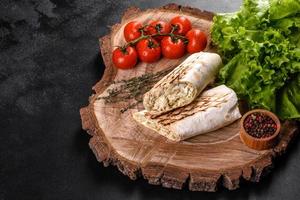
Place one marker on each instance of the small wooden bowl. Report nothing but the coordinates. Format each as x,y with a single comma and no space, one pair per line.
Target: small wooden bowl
259,143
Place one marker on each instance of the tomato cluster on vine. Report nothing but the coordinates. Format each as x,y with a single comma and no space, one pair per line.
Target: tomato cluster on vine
148,43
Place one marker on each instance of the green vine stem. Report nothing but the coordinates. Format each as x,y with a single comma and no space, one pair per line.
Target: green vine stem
144,36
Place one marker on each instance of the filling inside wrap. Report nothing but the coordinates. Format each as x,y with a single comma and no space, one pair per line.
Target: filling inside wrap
168,97
182,85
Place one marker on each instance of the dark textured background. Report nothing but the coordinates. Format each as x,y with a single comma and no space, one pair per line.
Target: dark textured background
49,60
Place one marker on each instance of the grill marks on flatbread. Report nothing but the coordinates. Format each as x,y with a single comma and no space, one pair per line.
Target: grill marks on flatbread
173,77
199,105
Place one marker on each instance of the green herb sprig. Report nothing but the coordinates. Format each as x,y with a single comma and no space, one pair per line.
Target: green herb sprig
134,88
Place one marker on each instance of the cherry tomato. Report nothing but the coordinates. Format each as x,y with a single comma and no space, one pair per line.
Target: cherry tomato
132,31
148,50
197,41
172,49
183,24
125,58
158,27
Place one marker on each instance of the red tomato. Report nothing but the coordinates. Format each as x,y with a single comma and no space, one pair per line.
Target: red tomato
148,50
124,59
183,24
132,31
158,27
197,41
172,49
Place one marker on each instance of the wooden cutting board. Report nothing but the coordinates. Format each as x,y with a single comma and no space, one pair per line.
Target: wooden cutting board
204,162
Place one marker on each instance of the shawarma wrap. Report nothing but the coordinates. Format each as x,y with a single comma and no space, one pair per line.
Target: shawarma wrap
183,84
213,109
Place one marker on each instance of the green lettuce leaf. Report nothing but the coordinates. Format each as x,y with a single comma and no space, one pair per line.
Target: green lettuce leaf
283,8
288,106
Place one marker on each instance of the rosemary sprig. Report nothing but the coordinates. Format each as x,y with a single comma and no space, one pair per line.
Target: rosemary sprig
133,88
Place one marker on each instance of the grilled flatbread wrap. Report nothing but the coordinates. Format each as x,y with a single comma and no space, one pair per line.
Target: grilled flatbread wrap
213,109
183,84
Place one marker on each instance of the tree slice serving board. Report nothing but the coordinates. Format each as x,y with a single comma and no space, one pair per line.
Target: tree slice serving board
204,162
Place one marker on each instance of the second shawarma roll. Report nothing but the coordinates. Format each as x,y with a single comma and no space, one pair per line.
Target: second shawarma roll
182,85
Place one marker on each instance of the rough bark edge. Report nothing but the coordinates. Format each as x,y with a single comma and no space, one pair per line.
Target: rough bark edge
170,176
102,149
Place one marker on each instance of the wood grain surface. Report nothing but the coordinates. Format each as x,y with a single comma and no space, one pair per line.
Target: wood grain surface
202,163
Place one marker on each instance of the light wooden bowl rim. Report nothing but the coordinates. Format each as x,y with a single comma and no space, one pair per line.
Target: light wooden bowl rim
270,114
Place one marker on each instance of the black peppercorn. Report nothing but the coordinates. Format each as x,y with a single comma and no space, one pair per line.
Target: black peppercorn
259,125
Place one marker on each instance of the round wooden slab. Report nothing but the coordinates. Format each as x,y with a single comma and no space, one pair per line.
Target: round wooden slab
203,162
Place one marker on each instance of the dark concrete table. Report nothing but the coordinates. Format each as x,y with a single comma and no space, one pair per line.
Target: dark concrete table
49,60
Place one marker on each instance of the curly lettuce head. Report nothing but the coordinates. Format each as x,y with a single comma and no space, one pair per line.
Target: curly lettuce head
260,45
